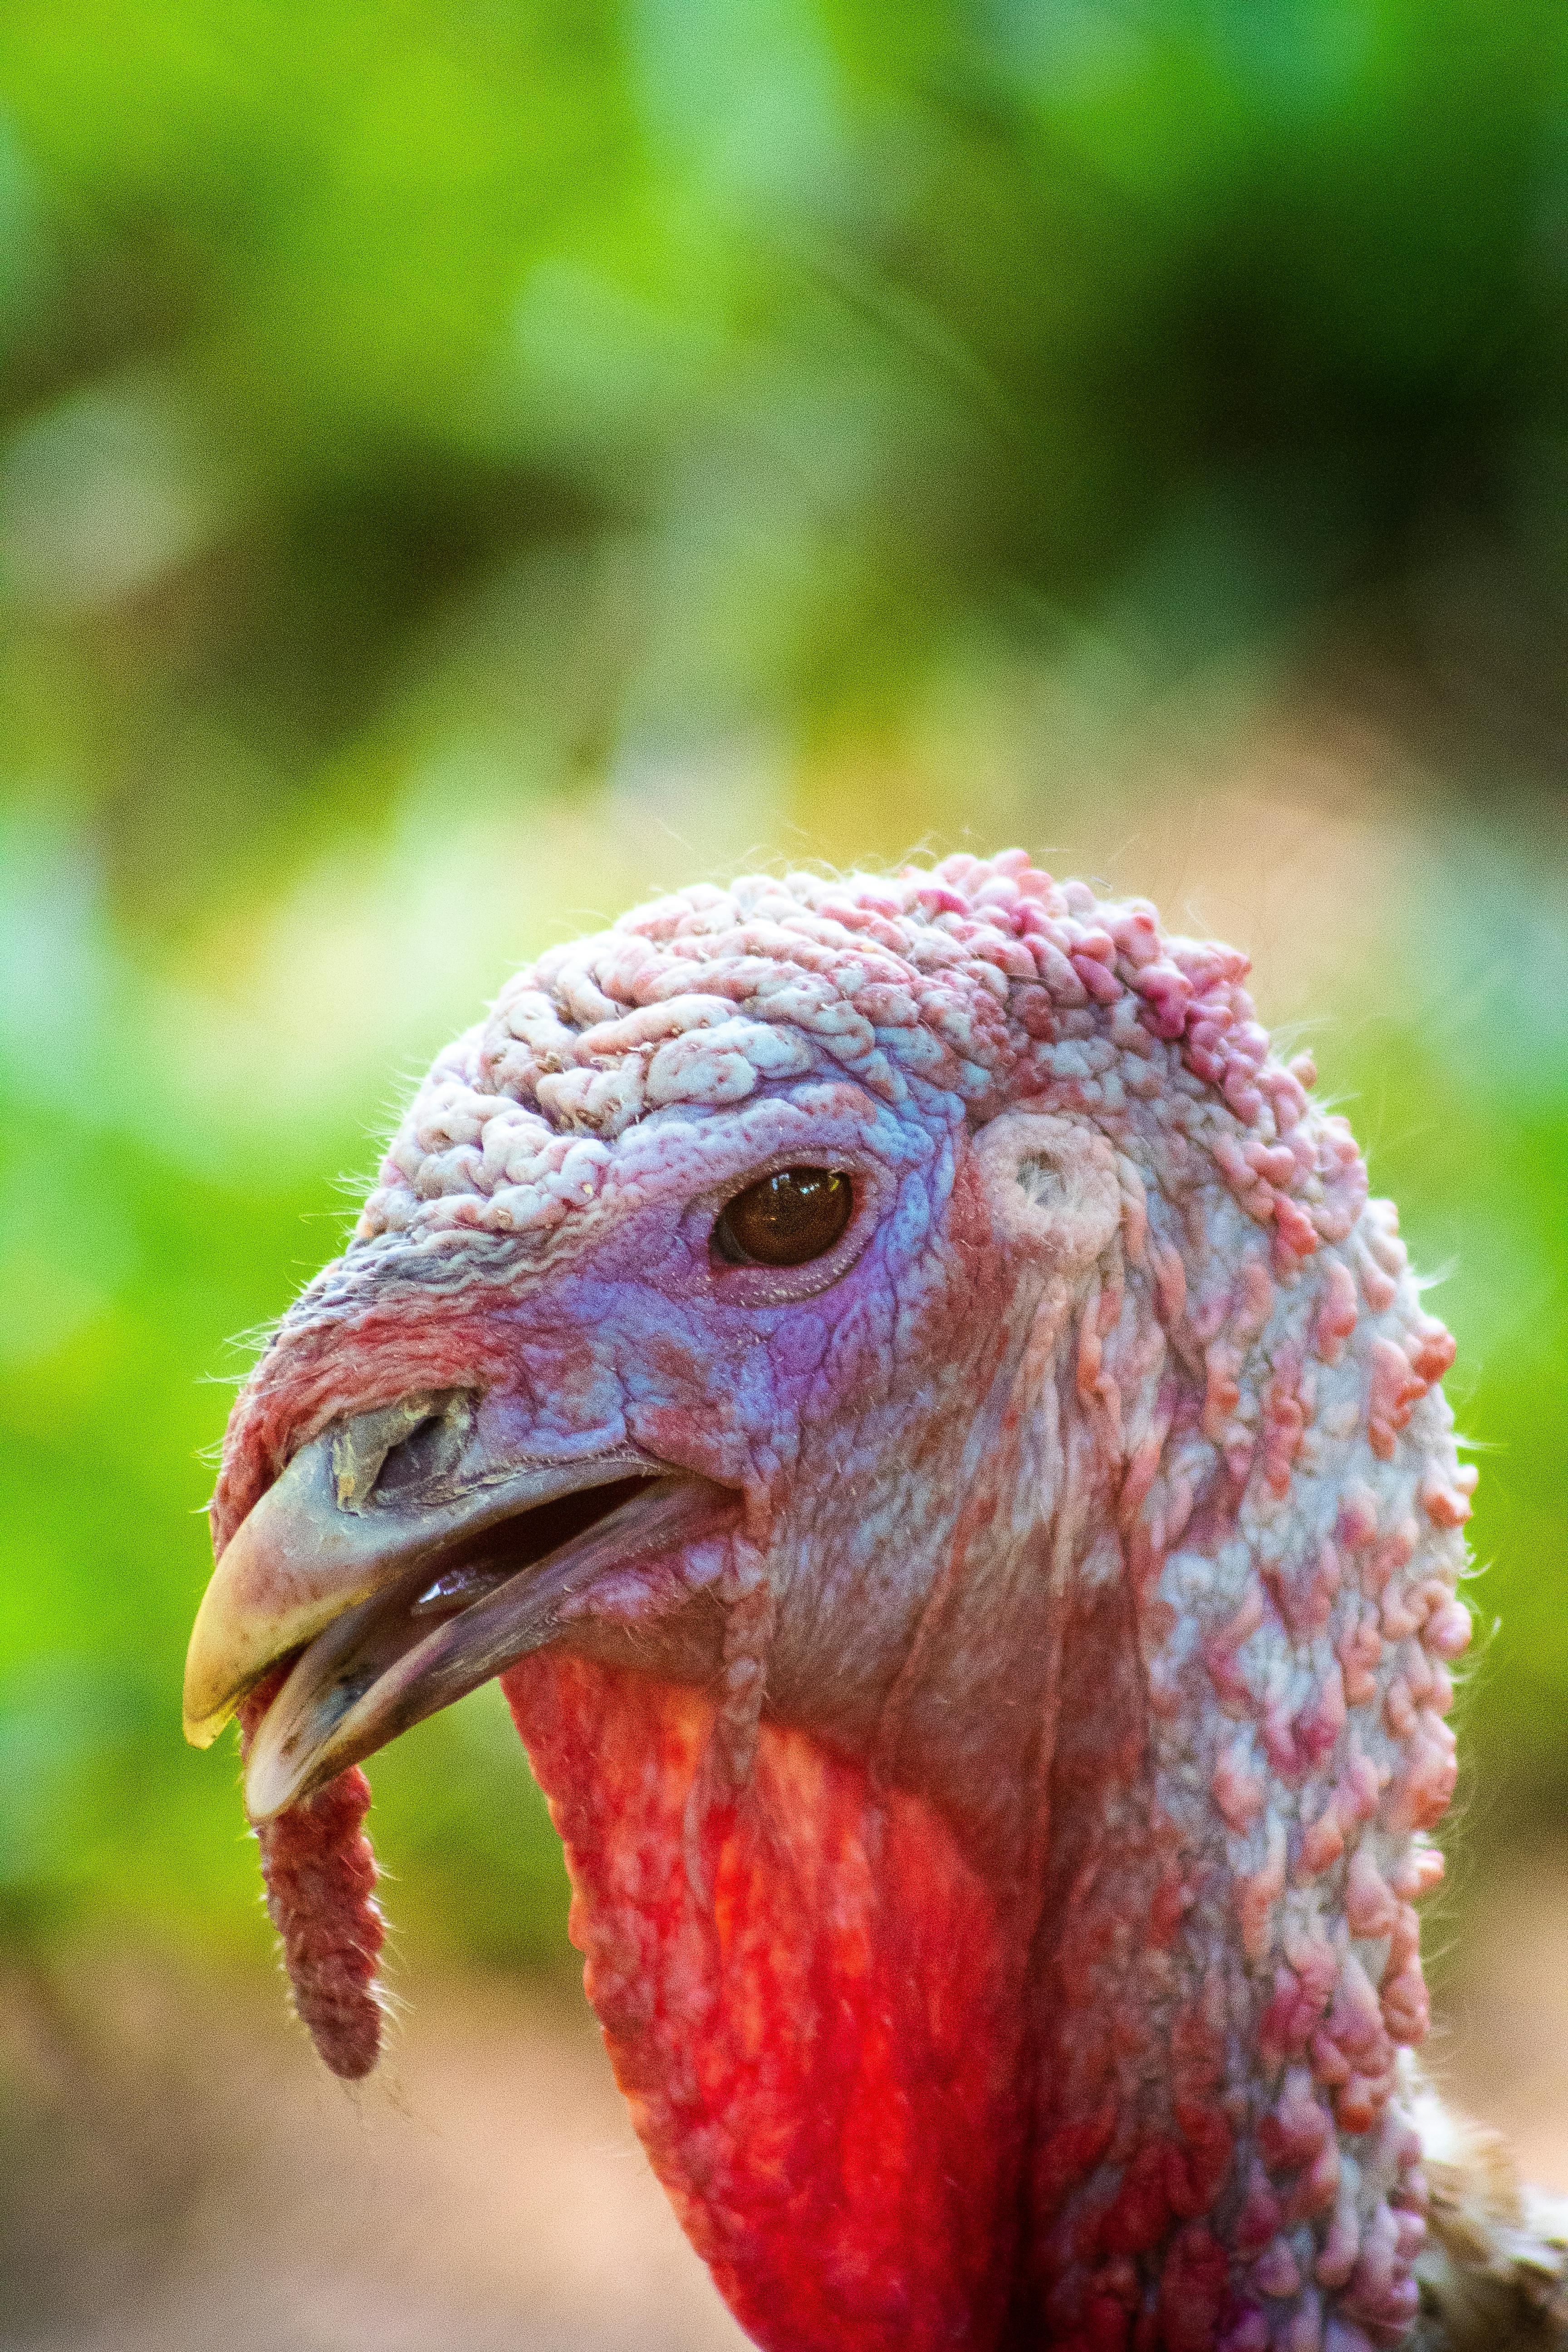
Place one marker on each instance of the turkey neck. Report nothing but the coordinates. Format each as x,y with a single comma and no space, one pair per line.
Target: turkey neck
826,1990
1059,1999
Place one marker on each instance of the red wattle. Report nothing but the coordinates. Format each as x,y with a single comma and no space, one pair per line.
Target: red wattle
811,2006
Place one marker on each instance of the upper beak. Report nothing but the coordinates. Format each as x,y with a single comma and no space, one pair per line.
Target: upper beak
408,1568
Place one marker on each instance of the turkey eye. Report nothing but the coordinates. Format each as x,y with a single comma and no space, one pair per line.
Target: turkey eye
785,1219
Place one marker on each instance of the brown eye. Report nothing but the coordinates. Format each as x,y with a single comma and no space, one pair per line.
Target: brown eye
786,1219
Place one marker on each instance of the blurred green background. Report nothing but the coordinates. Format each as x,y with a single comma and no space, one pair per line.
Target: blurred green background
463,467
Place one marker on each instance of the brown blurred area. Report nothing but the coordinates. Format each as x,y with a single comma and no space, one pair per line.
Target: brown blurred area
177,2173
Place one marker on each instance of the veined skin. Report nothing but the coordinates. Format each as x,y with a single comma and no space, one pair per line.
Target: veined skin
995,1856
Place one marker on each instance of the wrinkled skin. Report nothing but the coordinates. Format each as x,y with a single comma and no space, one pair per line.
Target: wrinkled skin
994,1829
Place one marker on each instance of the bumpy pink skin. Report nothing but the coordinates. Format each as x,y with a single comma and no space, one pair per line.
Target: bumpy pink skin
1227,1456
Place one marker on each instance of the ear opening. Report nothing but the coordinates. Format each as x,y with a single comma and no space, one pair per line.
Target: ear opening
1052,1186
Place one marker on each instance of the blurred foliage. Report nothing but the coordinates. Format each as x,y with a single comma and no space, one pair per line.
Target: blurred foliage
462,465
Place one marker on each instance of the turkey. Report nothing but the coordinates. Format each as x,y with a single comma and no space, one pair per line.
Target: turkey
914,1399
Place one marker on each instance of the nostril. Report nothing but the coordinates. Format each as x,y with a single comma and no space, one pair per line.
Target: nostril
380,1455
430,1452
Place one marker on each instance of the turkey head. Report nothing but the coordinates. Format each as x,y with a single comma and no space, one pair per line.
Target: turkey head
912,1399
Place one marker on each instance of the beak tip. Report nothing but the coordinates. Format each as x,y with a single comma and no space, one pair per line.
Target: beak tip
202,1728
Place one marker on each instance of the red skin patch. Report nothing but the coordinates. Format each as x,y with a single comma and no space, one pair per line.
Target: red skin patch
822,2055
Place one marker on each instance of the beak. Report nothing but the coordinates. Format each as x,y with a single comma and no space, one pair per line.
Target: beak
405,1567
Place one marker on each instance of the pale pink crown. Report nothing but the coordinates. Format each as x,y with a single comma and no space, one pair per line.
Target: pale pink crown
981,977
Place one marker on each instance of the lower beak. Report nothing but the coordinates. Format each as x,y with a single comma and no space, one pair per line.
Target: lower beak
401,1594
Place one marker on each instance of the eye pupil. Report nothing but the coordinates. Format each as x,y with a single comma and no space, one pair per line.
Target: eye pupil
786,1219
